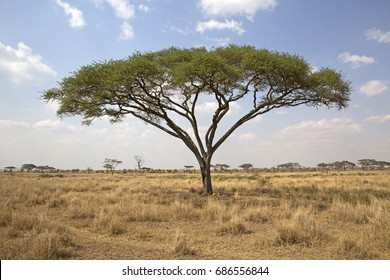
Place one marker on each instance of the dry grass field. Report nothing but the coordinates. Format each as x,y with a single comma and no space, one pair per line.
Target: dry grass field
339,215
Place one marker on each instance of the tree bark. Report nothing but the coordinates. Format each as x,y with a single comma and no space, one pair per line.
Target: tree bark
205,169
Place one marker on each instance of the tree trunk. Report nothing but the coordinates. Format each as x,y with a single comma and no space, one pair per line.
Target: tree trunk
205,169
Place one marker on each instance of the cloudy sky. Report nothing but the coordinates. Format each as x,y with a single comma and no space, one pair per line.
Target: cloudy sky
43,41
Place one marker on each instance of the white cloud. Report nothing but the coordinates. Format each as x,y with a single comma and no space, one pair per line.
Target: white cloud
202,130
220,25
123,9
378,35
144,8
16,124
247,136
54,125
321,129
22,64
379,118
207,107
124,130
374,87
76,19
127,31
183,31
48,124
236,7
356,61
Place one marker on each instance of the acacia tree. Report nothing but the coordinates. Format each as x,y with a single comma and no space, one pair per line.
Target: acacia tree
189,168
164,89
28,167
372,163
111,164
246,166
343,165
10,168
289,166
366,163
221,167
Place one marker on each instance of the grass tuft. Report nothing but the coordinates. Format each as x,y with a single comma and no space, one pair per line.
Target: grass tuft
181,245
233,228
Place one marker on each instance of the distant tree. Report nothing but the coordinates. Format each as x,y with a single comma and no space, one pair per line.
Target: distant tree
28,167
221,167
290,166
383,164
10,168
324,166
108,167
140,161
373,164
45,168
165,89
146,169
189,168
367,163
246,166
343,165
111,164
89,170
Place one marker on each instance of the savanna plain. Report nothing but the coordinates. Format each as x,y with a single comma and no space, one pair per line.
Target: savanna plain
303,215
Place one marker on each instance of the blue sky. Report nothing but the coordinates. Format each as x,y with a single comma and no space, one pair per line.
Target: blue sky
43,41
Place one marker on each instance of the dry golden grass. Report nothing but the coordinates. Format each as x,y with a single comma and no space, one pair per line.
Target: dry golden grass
341,215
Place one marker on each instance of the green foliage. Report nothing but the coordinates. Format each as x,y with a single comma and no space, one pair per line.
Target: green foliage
144,84
289,166
28,167
246,166
372,163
